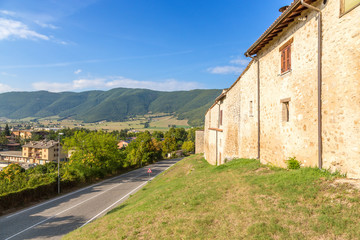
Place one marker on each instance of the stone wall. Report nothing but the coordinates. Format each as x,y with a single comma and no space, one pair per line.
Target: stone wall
279,139
211,136
298,137
199,141
248,135
341,90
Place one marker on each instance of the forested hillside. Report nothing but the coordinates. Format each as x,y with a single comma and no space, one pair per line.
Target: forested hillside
113,105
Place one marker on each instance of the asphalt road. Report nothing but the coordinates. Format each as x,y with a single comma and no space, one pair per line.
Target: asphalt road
54,218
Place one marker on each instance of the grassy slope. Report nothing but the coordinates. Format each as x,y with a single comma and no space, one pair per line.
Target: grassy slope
239,200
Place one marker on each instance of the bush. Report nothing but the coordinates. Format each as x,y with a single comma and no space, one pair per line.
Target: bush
188,147
293,163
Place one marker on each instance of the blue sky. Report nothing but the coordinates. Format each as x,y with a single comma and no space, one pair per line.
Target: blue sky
168,45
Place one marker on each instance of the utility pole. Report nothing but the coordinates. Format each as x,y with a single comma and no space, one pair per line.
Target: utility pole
59,162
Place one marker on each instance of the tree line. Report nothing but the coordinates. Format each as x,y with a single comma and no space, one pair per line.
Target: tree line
95,154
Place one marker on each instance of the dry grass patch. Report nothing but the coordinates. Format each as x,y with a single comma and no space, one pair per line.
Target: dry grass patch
242,199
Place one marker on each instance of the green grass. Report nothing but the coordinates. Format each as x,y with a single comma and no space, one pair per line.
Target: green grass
242,199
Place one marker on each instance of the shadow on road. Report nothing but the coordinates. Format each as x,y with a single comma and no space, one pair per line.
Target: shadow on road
39,219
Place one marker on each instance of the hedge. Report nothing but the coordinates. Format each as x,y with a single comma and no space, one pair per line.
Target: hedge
27,195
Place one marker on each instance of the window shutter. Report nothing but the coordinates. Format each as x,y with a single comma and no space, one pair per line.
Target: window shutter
221,116
288,67
283,61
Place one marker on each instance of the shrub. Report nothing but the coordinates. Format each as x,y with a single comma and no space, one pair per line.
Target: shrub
188,147
293,163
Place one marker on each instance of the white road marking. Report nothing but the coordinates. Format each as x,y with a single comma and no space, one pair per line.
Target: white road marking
114,203
67,209
85,200
69,194
97,215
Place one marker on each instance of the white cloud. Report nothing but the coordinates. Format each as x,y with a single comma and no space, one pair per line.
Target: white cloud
61,42
8,13
77,71
225,70
45,25
237,66
240,61
52,87
5,88
166,85
11,28
115,82
8,74
89,83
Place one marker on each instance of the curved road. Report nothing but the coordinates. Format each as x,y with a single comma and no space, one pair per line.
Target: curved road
55,218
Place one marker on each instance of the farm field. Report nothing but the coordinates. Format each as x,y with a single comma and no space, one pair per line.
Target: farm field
158,122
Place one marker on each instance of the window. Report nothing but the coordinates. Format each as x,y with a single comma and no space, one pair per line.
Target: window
348,5
210,118
221,117
251,109
285,109
285,51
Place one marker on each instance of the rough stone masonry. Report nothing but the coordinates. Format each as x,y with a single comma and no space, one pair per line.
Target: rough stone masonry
288,123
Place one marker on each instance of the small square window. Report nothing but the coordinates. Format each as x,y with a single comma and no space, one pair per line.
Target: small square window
285,109
251,109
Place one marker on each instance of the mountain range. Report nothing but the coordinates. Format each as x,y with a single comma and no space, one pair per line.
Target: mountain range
113,105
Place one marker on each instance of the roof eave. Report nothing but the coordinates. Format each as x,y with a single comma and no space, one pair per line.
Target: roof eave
223,95
251,51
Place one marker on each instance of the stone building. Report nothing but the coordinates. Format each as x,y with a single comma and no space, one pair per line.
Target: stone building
43,152
199,141
13,156
23,134
300,94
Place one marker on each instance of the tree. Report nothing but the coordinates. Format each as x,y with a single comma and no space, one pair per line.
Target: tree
158,135
179,134
123,133
188,147
36,137
143,150
3,140
169,145
7,130
191,133
10,172
94,154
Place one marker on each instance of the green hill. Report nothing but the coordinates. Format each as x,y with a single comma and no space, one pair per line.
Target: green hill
113,105
242,199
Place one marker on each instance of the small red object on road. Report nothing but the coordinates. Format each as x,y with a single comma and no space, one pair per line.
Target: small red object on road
149,171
